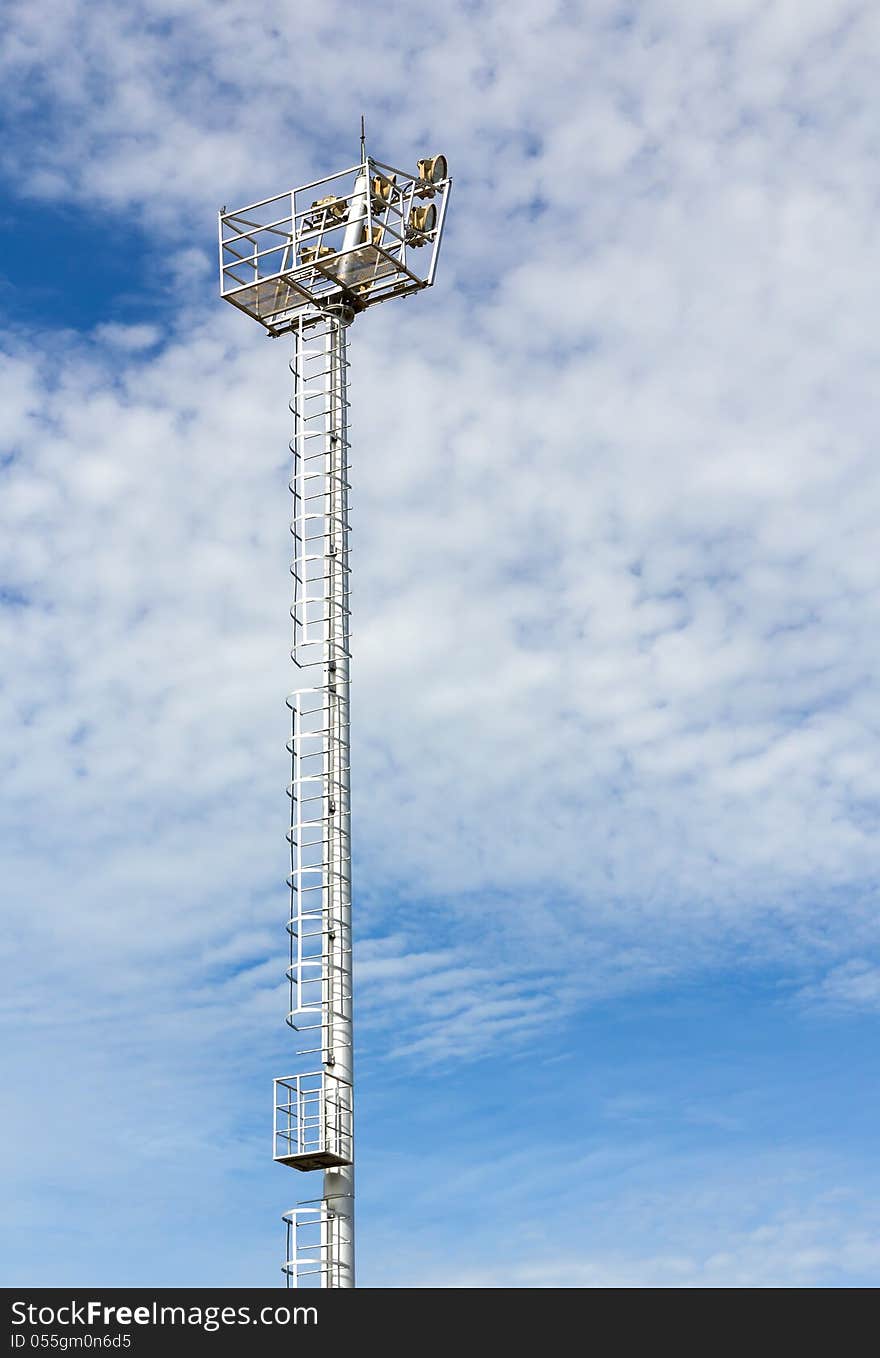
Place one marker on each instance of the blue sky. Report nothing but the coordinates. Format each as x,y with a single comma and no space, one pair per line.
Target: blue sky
615,598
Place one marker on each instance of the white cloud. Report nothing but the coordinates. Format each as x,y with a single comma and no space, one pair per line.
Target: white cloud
131,338
854,984
635,1213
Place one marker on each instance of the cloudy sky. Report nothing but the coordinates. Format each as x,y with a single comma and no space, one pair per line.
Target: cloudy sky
616,641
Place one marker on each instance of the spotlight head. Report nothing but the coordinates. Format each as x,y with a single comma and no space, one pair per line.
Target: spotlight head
381,189
332,207
310,253
422,221
433,169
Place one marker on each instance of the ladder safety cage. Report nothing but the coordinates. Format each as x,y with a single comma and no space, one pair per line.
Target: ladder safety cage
319,968
318,1244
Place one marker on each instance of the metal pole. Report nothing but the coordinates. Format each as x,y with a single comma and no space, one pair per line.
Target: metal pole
339,1181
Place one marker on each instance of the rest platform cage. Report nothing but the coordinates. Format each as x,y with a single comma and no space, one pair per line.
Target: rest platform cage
312,1126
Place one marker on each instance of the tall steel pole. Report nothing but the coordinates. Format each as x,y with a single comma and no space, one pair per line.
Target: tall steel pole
339,1181
320,832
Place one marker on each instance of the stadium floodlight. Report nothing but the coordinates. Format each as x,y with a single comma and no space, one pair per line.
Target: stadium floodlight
306,263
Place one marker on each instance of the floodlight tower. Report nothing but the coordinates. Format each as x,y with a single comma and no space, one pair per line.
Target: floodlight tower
306,263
